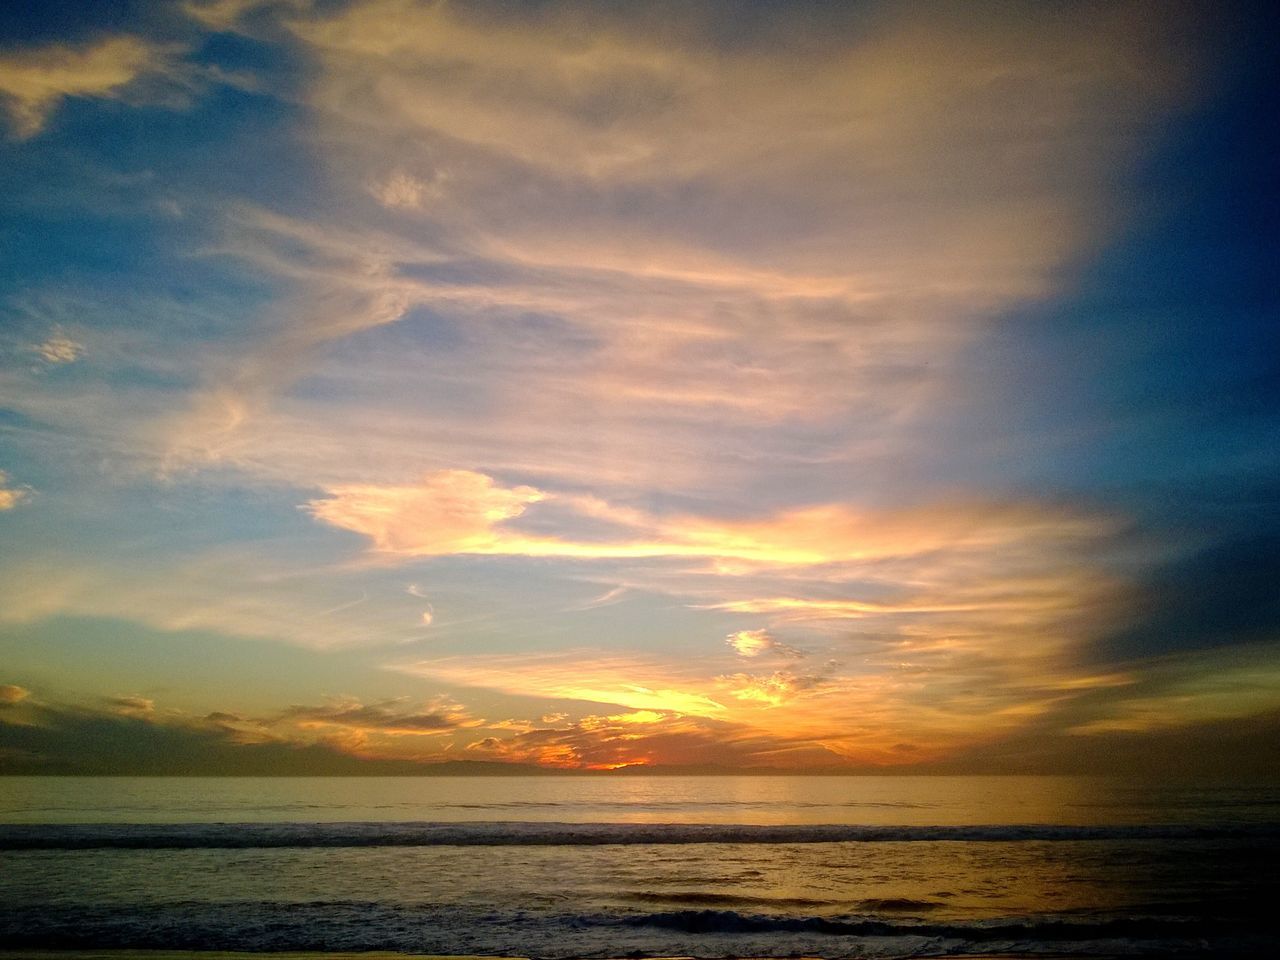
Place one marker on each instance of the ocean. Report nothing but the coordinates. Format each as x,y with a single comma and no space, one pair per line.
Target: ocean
637,866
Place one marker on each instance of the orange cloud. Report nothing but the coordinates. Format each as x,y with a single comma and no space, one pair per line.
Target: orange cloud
976,631
808,609
10,497
754,643
452,511
11,693
774,689
648,738
395,729
857,717
464,512
750,643
591,676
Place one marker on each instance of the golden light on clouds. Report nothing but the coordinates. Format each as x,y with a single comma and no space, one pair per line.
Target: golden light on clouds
620,386
636,683
464,512
750,643
453,511
10,496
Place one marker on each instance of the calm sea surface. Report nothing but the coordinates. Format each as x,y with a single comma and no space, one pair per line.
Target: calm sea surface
646,866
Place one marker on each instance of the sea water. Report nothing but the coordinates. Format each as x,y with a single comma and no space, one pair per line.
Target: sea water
610,866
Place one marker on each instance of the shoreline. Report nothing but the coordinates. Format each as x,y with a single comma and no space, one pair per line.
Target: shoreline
160,954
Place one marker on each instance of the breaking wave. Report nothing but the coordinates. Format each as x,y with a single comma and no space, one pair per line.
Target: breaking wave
491,834
353,926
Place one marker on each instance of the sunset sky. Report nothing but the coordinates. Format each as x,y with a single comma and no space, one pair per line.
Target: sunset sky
793,385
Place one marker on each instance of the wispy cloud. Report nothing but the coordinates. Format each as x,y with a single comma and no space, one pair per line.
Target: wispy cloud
638,683
241,592
464,512
457,510
754,643
225,14
774,689
942,699
569,294
750,643
35,81
59,349
533,165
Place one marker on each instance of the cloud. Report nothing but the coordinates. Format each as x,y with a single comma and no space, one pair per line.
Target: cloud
393,717
276,590
1222,594
1185,688
1228,748
774,689
55,738
130,735
403,190
611,98
451,511
754,643
633,239
34,81
672,313
11,693
43,737
648,738
947,696
609,597
750,643
800,608
132,704
347,735
593,676
227,14
10,497
465,512
59,349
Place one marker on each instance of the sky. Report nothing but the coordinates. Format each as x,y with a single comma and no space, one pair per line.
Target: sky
800,386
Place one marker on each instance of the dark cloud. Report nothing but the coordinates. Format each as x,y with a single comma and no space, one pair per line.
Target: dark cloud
71,740
1224,595
133,704
388,715
1240,747
126,738
42,738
